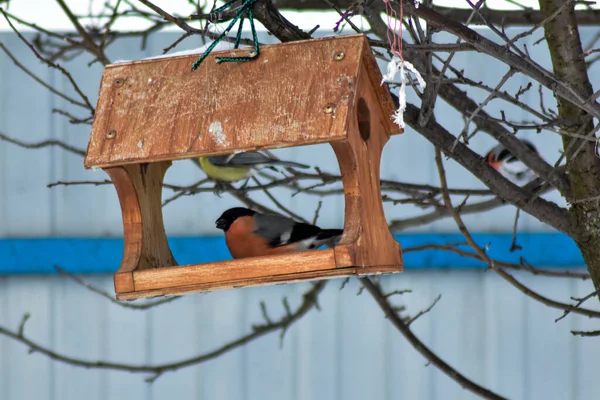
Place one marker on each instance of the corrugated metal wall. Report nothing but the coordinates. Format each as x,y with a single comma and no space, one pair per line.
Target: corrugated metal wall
348,350
482,326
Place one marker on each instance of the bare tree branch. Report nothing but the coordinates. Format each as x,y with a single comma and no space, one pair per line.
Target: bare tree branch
309,301
586,333
110,297
51,64
95,49
505,275
405,330
543,210
44,143
520,62
522,267
41,82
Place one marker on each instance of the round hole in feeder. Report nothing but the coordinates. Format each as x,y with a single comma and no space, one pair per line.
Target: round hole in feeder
118,82
364,119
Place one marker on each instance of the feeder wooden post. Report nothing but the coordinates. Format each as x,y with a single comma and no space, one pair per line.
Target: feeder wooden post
139,187
151,112
365,243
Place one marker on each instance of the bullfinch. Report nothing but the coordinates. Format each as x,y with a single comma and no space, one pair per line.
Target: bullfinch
251,234
235,167
513,169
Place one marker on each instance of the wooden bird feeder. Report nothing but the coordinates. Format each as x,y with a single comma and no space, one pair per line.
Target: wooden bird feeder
150,112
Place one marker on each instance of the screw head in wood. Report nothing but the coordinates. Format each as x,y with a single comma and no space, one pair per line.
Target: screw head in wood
339,56
118,82
110,135
329,108
252,53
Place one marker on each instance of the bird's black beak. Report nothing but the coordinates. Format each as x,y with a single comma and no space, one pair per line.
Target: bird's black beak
221,223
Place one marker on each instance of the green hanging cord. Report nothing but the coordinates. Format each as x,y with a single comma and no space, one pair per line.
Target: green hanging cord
256,50
254,35
213,44
236,44
246,8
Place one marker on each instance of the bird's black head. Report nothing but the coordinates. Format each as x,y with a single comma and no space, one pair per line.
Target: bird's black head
229,217
501,153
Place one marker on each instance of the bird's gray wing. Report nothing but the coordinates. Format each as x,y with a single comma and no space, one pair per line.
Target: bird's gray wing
276,229
251,159
248,158
256,158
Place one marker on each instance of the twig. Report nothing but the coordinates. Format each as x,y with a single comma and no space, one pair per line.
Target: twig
490,97
177,21
279,205
442,212
38,28
26,316
344,283
74,183
464,104
309,300
579,303
534,271
182,191
109,24
589,52
517,59
513,244
242,196
72,119
44,143
397,292
175,43
51,64
106,295
505,275
393,185
540,24
263,309
586,333
425,116
317,211
405,330
543,210
96,50
425,311
344,16
41,82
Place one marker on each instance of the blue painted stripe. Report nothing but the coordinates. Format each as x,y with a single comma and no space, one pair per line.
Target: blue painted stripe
38,256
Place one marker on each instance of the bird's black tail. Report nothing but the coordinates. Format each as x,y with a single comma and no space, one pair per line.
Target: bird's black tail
326,234
290,164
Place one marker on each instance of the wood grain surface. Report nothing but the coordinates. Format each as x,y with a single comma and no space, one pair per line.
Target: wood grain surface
159,109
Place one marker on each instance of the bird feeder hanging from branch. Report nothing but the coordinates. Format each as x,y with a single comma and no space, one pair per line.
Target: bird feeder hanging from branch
151,112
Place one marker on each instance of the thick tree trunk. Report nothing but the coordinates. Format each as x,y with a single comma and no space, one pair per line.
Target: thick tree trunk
565,47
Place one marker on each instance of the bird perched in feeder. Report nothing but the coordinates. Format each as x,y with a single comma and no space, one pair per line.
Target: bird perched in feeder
513,169
251,234
238,166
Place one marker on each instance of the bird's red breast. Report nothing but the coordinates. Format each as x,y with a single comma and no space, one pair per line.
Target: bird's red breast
242,242
494,164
